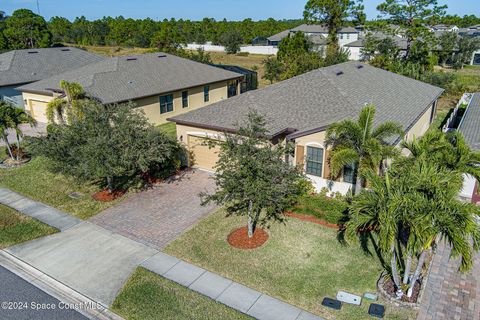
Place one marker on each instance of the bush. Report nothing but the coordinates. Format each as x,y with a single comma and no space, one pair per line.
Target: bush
332,210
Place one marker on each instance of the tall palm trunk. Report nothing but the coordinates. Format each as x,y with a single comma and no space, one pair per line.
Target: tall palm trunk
110,184
395,277
421,262
5,138
250,219
18,146
408,266
358,184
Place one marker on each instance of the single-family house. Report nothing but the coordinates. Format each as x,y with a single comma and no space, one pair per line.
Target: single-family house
345,35
444,28
470,128
302,108
355,47
162,85
19,67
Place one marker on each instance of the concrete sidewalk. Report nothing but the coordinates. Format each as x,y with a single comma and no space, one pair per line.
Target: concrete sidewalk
228,292
37,210
97,262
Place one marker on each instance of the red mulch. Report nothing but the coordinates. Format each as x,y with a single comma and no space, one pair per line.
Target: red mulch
106,196
238,238
313,219
389,287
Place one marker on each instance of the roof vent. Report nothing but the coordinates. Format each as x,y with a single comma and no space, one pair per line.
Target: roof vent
339,73
131,59
32,51
162,55
66,49
359,66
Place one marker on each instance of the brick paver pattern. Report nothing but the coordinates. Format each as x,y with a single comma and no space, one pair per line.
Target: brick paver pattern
157,216
451,295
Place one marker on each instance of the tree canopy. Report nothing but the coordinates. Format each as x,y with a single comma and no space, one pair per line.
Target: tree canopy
25,29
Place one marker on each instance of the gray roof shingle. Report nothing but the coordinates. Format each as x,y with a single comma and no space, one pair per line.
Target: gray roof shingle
321,97
309,28
470,125
24,66
121,79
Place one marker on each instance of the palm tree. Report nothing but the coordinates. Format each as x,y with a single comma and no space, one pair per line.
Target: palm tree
359,143
11,118
409,208
63,108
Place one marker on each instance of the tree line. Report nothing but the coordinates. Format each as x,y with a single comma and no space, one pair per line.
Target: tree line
25,29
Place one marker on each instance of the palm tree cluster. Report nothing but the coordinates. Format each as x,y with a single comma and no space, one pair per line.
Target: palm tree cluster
411,202
415,204
65,108
11,118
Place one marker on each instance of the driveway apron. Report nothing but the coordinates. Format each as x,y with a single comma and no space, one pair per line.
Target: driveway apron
90,259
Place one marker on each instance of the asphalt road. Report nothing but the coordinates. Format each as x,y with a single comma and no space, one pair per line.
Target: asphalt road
20,300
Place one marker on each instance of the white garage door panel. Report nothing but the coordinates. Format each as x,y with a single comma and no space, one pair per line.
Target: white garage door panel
203,157
39,111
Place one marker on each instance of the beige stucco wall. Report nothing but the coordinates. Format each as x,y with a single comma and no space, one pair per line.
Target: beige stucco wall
421,126
151,105
184,131
31,100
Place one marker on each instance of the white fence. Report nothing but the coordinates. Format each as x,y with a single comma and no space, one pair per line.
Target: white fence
464,100
266,50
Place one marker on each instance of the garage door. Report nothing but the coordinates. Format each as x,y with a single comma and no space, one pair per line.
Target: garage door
202,156
39,111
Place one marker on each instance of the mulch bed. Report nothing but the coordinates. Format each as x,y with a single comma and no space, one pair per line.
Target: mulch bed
238,238
313,219
107,196
389,287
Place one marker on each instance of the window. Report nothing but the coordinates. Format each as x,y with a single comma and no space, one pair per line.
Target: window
314,161
206,93
166,103
349,173
341,36
232,88
185,99
348,35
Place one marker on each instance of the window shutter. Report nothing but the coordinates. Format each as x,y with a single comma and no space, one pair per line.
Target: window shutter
326,166
300,156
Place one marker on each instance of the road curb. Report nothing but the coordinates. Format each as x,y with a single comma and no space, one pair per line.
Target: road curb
55,288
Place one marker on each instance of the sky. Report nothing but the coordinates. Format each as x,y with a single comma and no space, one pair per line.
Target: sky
195,9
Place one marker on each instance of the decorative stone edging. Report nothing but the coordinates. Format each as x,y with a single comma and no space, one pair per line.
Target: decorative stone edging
398,303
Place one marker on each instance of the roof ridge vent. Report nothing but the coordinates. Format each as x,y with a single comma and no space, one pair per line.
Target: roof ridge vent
66,49
162,55
339,72
359,66
32,51
131,58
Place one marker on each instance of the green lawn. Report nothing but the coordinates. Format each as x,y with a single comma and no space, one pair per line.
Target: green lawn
169,128
301,263
149,296
34,180
17,228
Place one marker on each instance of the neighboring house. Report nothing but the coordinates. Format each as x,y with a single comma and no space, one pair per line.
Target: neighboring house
345,35
250,77
355,48
162,85
302,108
444,27
470,128
19,67
476,58
260,41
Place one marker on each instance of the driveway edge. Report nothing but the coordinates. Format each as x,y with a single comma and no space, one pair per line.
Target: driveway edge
55,288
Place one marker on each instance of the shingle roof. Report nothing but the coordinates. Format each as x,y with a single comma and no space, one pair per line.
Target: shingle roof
23,66
400,42
470,125
121,79
321,97
309,28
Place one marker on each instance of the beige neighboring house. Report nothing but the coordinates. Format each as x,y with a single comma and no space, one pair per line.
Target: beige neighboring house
162,85
302,108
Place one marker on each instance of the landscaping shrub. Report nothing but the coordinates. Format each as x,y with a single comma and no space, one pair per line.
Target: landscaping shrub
332,210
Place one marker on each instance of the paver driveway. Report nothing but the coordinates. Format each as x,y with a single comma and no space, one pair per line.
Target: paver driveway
157,216
39,129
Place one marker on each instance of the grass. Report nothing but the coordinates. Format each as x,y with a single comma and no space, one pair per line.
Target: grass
148,296
327,209
301,264
169,128
16,228
36,181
